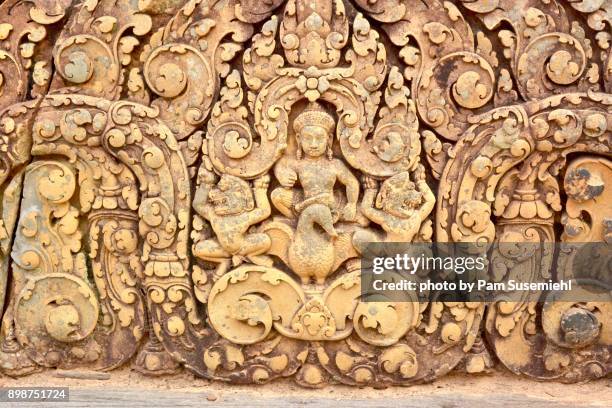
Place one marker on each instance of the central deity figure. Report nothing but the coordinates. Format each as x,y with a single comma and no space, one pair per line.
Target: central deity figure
310,252
315,168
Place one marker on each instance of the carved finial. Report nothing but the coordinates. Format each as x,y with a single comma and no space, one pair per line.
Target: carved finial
314,32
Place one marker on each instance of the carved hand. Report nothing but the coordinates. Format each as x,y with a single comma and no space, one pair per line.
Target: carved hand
369,183
206,176
349,212
419,173
262,182
288,180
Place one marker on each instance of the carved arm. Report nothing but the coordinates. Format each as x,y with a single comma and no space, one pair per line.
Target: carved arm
263,209
206,180
352,185
367,203
429,200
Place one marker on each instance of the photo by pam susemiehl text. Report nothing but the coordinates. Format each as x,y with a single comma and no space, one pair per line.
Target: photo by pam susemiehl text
476,272
511,285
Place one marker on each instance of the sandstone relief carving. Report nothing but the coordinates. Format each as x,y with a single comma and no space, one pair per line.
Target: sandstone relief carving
191,183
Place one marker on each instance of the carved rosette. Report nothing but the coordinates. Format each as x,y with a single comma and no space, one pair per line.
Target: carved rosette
191,183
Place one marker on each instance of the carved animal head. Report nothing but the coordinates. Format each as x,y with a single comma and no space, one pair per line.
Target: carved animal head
582,185
398,196
231,196
317,214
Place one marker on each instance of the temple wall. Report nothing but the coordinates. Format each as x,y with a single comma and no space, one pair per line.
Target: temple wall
192,185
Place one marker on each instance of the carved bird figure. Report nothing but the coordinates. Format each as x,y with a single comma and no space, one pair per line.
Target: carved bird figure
315,249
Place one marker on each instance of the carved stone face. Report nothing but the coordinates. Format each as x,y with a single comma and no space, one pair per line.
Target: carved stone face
231,196
313,140
400,202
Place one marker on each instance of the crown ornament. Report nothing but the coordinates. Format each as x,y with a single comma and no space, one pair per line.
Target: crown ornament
314,115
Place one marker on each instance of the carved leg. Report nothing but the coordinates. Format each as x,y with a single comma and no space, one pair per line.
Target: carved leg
362,238
211,250
255,246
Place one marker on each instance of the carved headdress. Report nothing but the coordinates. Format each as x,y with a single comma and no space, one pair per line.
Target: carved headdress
314,115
